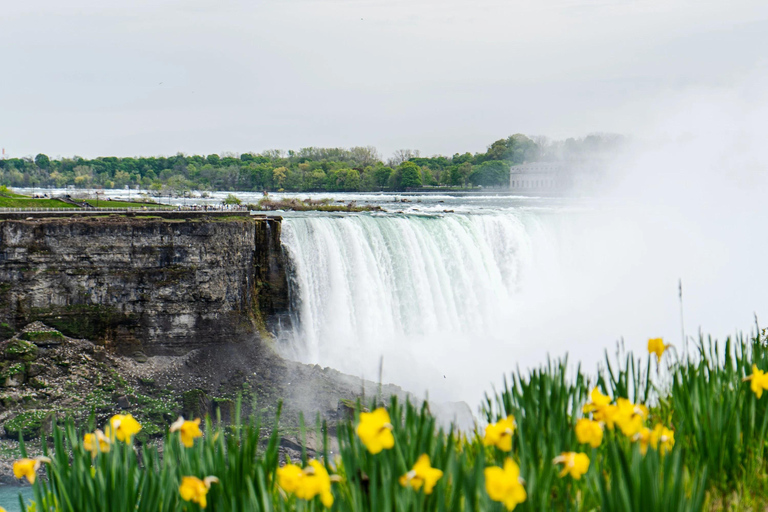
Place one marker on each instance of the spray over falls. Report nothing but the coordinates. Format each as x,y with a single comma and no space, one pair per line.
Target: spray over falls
401,287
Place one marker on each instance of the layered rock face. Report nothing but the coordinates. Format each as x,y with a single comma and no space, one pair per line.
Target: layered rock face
151,285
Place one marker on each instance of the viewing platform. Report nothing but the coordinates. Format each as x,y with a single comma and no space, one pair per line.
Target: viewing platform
166,213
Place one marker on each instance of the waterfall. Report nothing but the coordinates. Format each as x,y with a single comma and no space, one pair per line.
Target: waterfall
401,287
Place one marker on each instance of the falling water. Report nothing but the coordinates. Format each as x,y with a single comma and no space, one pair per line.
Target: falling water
402,287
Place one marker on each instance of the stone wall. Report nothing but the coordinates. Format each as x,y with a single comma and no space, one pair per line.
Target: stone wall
151,285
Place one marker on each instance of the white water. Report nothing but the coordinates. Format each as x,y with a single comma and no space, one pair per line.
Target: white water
416,290
452,302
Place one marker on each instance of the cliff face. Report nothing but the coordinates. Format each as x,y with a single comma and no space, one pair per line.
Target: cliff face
152,285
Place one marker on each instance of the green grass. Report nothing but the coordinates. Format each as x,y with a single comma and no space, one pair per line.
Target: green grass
18,201
717,462
9,199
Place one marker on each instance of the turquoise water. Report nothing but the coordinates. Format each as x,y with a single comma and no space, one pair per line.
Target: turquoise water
9,497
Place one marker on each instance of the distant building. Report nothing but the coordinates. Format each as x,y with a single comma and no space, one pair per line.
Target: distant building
540,177
551,177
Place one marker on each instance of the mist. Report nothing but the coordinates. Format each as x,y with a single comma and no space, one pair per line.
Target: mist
681,202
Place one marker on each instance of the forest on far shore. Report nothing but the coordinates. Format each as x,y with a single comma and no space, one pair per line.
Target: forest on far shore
308,169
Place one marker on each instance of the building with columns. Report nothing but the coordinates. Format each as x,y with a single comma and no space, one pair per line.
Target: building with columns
552,177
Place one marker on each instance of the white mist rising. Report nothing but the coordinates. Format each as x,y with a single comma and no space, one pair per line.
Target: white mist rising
452,303
686,200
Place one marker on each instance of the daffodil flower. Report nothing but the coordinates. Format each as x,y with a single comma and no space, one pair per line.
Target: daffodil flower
630,417
289,477
601,408
196,490
188,430
28,468
499,434
589,432
96,442
657,346
123,427
644,438
307,483
758,381
422,474
597,400
575,464
316,482
662,438
375,430
505,485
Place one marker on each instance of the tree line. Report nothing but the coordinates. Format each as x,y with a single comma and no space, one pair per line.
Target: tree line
308,169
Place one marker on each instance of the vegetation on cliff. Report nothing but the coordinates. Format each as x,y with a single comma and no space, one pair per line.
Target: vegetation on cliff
308,169
318,205
659,432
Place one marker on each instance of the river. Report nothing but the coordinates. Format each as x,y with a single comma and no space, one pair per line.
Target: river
9,497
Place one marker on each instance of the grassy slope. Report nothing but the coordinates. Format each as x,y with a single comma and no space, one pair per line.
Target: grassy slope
10,200
17,201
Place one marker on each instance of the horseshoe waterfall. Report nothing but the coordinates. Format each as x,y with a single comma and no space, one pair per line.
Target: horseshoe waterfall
418,295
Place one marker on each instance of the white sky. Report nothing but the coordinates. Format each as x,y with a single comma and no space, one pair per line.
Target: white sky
98,78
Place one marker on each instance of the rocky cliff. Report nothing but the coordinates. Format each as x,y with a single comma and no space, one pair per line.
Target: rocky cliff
142,285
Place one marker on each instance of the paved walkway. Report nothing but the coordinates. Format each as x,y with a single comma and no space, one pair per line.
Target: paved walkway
21,213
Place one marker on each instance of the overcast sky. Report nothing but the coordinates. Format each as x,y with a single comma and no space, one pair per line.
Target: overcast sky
154,77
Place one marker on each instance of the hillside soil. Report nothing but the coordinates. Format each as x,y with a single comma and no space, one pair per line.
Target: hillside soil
46,377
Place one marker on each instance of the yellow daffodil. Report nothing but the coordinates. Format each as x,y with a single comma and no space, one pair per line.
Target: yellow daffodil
96,442
575,464
316,482
123,427
188,430
499,434
607,415
505,485
597,400
2,509
375,430
589,432
196,490
630,417
758,381
289,477
662,438
307,483
657,346
28,468
422,474
644,438
600,407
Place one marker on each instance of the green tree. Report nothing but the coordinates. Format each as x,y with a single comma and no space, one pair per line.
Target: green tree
410,176
315,180
352,180
494,173
232,199
381,176
42,161
278,176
